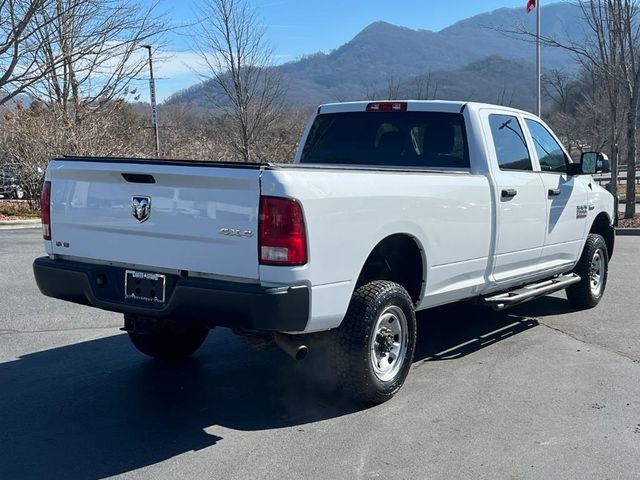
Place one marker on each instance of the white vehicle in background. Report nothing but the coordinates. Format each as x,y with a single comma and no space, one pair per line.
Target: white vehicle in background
389,208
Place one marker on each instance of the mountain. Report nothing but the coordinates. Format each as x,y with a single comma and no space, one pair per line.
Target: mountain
492,79
473,52
21,99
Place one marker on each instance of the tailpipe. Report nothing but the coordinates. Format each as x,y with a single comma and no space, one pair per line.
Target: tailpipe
291,346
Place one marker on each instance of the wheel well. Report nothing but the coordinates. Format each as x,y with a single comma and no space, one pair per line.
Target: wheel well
398,259
602,226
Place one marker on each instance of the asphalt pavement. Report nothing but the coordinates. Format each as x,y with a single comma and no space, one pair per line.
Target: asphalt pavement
540,392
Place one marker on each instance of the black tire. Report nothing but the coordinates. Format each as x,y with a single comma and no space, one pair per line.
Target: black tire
353,356
170,344
584,294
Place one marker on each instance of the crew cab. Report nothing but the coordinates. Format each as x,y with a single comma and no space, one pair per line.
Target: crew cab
388,208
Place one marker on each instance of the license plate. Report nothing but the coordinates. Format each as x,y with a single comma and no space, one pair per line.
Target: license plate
144,286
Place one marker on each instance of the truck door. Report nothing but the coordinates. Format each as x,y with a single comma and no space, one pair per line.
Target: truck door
519,193
567,200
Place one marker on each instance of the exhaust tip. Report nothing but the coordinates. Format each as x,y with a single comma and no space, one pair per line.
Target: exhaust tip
302,352
291,346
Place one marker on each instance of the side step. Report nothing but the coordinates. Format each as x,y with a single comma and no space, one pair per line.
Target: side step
529,292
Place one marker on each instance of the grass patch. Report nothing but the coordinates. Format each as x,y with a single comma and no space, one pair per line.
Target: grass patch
629,222
13,210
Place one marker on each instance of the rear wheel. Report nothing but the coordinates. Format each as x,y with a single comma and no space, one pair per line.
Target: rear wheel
592,268
170,343
376,342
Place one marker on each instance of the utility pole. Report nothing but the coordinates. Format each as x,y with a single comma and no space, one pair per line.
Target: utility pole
538,61
152,95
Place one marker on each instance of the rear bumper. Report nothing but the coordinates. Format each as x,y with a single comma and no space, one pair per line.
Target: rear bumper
210,302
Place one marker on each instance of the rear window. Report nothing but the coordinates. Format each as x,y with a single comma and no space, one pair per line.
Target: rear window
393,139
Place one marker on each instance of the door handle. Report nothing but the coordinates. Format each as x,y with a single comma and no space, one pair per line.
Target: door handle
138,178
509,193
554,192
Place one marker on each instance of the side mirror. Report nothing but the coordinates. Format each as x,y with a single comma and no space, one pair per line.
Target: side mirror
592,163
603,164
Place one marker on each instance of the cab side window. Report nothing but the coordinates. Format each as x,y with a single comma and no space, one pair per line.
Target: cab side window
550,153
508,139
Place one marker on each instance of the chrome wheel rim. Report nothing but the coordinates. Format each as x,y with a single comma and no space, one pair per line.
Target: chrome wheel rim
388,346
596,272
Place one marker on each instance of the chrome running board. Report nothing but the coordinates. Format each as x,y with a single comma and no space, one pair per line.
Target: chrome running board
529,292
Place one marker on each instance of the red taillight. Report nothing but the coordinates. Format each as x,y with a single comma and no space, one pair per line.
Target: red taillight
387,107
282,234
45,206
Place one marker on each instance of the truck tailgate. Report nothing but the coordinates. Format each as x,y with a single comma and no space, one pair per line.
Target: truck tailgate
201,218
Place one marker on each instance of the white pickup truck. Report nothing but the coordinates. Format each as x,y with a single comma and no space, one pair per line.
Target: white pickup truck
389,208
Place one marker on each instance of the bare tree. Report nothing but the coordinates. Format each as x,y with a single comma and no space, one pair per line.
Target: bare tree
371,91
559,87
424,88
581,114
393,88
19,43
231,41
30,137
505,95
84,63
600,57
90,50
612,54
626,29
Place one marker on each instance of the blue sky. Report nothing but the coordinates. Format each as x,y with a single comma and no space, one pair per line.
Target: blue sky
299,27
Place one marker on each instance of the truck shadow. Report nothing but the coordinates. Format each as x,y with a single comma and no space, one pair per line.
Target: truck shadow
454,331
99,408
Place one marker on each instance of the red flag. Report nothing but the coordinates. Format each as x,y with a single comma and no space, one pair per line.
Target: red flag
531,4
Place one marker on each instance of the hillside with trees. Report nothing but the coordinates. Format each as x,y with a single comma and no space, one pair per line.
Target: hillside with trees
383,53
68,71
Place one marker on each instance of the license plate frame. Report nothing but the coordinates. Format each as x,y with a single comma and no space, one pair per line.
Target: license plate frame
146,287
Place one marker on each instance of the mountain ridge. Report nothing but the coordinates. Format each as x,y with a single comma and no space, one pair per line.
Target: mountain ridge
383,53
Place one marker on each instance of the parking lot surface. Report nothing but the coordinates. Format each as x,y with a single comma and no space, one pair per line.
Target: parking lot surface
539,391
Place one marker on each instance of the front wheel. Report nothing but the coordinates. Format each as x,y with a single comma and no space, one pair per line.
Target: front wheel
593,268
169,343
376,342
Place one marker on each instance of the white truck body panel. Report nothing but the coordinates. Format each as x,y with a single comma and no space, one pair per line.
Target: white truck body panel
91,211
519,237
565,233
349,212
472,241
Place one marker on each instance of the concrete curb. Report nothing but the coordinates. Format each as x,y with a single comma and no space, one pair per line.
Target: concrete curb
19,224
627,232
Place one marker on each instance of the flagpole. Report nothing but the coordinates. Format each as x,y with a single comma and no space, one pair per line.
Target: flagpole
538,62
